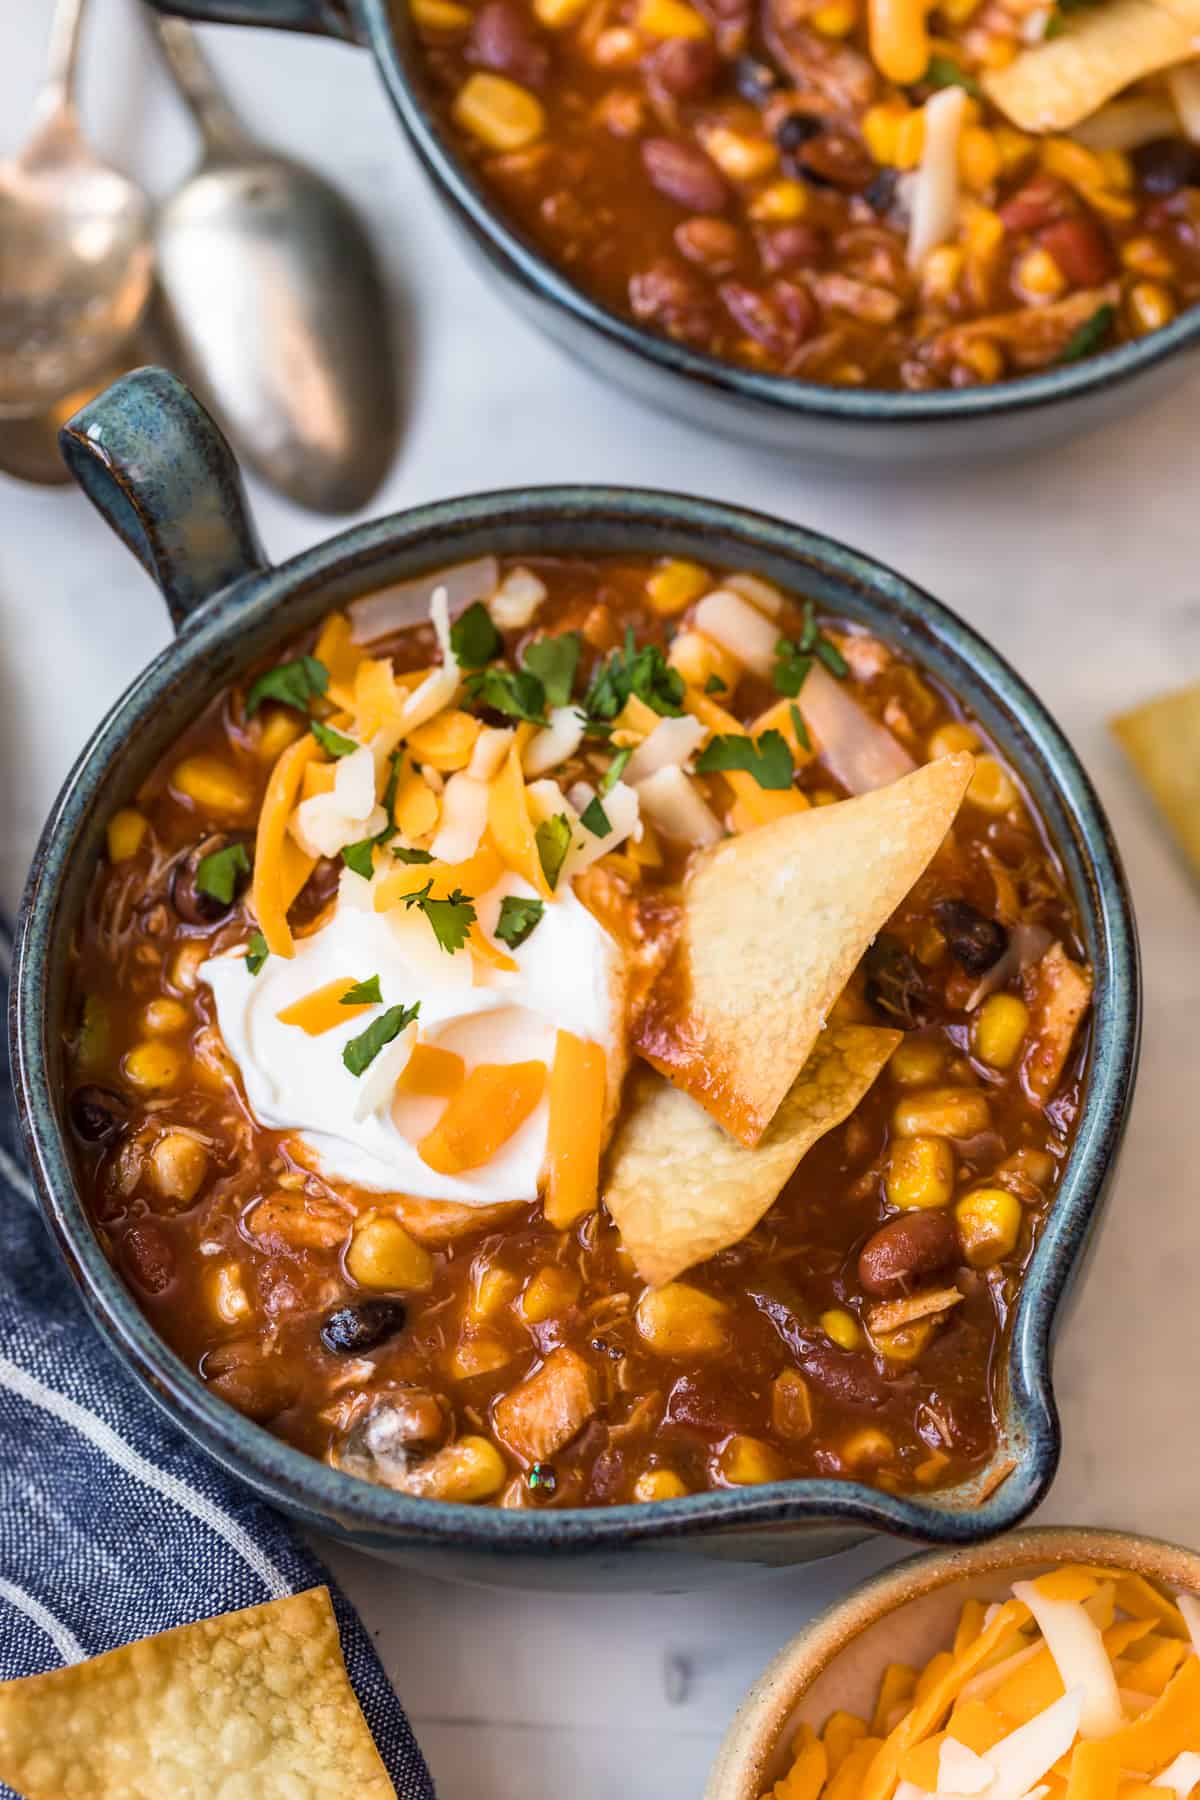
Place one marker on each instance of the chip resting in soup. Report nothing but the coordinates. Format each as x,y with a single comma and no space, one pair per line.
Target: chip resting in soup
616,1037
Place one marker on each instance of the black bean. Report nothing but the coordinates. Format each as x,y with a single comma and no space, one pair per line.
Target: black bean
796,129
98,1115
755,81
362,1327
895,985
880,191
975,941
192,903
1166,165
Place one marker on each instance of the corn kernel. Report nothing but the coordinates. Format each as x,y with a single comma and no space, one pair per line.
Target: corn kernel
881,132
499,112
212,784
126,830
835,20
957,12
841,1328
916,1062
1150,307
280,727
481,1354
746,1461
469,1470
557,15
992,787
153,1066
906,1344
920,1173
989,1224
978,158
670,19
1073,163
550,1292
491,1290
868,1446
658,1484
185,968
910,139
1145,256
992,50
948,740
1014,147
619,47
680,1320
1000,1029
791,1405
1039,274
178,1165
984,358
942,1112
383,1255
983,232
940,272
230,1301
779,202
440,15
162,1016
675,585
739,156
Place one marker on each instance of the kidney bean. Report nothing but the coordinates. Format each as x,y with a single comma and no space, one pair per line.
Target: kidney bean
794,246
685,174
1166,165
833,159
1080,249
848,1377
683,68
98,1115
192,903
505,39
674,299
912,1244
1040,202
148,1256
779,319
713,243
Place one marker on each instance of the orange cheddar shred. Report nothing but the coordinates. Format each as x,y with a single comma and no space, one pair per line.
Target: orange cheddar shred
273,873
431,1073
577,1092
322,1010
493,1102
473,877
341,656
510,826
446,742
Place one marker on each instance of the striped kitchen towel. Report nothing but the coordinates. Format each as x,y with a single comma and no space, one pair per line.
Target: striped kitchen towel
112,1524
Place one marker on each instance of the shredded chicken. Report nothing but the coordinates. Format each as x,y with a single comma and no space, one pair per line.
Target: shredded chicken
548,1409
1060,994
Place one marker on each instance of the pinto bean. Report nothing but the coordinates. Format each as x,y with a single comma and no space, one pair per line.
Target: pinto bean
1080,249
712,243
916,1243
794,246
674,300
683,68
147,1254
685,174
833,159
779,318
505,39
1040,202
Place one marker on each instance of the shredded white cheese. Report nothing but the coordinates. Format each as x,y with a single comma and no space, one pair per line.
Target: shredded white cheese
935,192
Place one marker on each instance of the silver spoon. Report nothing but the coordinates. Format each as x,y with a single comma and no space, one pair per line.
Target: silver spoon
274,296
29,446
76,257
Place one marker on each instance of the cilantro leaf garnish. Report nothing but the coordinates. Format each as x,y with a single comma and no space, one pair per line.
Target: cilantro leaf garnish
554,661
767,758
791,667
514,692
388,802
361,1051
360,857
291,683
714,685
474,638
800,728
615,769
593,818
553,840
334,743
404,854
257,952
517,919
363,993
1089,336
645,672
944,72
451,917
794,660
218,873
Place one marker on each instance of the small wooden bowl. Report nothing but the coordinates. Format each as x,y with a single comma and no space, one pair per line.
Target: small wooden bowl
905,1614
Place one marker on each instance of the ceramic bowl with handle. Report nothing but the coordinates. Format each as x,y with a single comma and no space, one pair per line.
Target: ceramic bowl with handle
159,471
837,425
906,1615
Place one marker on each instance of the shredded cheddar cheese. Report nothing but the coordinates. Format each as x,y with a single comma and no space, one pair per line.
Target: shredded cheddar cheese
273,872
577,1092
323,1009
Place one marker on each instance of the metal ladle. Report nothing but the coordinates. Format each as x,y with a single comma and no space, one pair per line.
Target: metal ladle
76,256
273,294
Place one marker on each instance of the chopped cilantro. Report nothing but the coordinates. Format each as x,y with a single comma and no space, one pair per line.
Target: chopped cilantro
334,743
714,685
361,1051
554,661
553,839
218,874
515,693
615,769
645,672
767,758
517,919
474,639
360,857
451,917
794,660
593,818
944,72
363,993
1089,336
389,793
404,854
256,952
800,728
791,667
291,683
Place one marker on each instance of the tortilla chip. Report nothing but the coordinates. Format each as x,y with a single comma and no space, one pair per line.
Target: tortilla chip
255,1702
1055,85
774,925
679,1189
1162,741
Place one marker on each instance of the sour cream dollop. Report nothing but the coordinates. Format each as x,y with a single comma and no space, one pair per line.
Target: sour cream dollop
567,976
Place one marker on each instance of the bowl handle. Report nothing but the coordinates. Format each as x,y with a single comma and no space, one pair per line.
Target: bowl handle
329,18
158,470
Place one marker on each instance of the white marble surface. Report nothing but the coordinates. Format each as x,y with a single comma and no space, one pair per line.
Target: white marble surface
1080,564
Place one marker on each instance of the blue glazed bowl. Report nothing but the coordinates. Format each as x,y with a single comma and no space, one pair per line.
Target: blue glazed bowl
839,425
155,465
